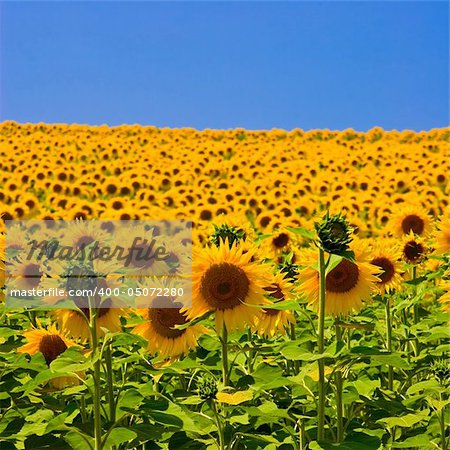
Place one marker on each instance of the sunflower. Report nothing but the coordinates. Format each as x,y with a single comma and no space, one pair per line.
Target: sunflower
227,282
74,322
51,343
81,233
411,219
347,285
273,320
25,274
279,242
231,226
414,249
445,299
442,236
386,256
142,245
163,338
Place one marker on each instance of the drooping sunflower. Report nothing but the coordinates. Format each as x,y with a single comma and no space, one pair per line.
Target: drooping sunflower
411,219
273,320
386,256
51,343
347,285
226,281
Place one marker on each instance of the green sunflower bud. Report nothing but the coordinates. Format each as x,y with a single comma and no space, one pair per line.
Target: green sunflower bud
225,232
207,388
441,371
334,234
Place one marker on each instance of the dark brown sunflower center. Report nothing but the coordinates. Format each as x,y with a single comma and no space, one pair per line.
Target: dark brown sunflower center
281,240
142,256
84,241
164,319
413,223
413,251
343,278
32,273
224,286
102,307
274,290
51,346
388,269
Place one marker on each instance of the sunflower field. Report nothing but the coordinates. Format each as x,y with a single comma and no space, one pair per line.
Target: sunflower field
318,316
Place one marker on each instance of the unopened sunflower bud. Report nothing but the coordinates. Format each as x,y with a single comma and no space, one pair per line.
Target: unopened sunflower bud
207,388
441,371
225,232
334,234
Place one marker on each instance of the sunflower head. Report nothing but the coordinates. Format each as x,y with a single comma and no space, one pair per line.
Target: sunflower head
334,234
411,219
207,388
386,256
227,233
50,342
414,250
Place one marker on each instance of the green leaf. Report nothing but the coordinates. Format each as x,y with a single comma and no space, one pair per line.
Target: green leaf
333,262
419,441
119,436
79,440
303,232
405,421
427,385
355,441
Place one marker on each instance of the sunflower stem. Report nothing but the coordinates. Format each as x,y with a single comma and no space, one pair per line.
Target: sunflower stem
293,337
442,424
415,311
110,383
225,370
389,341
97,363
250,351
219,425
321,335
339,389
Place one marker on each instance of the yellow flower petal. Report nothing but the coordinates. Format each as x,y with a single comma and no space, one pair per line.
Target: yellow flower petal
235,398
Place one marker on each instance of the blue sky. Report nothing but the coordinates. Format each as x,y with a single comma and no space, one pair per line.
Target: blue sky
257,65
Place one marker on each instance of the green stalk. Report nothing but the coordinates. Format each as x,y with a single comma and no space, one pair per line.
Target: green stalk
219,425
250,351
293,337
224,341
389,341
321,345
442,423
97,394
110,383
415,312
339,389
